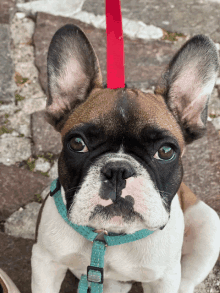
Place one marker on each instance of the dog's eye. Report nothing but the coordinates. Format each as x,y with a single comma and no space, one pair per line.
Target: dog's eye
77,145
165,153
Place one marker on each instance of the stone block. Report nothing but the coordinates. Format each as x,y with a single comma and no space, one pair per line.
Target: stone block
22,223
22,30
45,138
18,187
15,260
21,122
7,84
42,165
201,163
188,17
7,10
14,149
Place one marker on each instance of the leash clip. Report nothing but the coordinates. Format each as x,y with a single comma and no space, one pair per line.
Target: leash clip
100,236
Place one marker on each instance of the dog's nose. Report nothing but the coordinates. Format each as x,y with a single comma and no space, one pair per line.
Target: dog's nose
117,171
115,174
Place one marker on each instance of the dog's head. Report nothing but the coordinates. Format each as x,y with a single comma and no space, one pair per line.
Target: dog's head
120,165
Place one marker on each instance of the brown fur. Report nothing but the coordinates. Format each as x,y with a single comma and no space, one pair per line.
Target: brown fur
149,109
186,197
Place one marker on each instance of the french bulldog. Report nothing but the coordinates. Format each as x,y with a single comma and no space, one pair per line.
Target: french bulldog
120,169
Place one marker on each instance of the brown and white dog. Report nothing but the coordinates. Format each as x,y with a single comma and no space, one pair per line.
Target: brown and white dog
120,169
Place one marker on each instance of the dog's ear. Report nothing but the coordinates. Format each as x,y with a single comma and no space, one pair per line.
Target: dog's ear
73,71
188,82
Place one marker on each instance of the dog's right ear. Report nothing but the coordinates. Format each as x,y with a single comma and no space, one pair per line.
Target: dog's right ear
73,71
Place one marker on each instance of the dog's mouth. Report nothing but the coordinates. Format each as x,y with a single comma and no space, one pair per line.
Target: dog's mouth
122,207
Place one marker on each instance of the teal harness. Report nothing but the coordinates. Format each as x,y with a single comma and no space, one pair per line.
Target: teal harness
93,282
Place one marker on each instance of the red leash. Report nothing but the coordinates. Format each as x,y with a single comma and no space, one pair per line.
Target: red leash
115,45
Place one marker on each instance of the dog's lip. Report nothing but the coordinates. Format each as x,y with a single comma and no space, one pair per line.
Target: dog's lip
109,202
105,202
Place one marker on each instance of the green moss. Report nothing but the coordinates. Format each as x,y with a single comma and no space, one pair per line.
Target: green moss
19,79
19,98
4,129
45,174
21,135
31,164
169,36
38,198
47,157
50,155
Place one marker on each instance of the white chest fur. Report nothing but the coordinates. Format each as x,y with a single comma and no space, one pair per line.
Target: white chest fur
143,260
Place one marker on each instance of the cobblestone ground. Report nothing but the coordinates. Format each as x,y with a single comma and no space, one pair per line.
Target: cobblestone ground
28,159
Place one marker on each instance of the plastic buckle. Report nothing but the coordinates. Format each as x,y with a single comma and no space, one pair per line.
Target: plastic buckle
93,277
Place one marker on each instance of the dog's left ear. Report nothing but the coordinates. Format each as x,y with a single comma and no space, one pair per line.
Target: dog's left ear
73,71
188,83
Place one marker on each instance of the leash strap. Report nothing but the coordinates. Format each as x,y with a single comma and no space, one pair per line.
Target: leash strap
93,282
115,45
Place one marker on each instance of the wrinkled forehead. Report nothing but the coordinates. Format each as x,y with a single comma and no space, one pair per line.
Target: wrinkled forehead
125,109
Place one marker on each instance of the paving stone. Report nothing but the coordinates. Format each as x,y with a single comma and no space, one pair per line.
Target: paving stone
216,123
7,84
15,260
22,223
20,121
31,90
45,138
144,60
14,149
42,165
214,104
22,30
18,187
55,7
29,106
188,17
201,163
23,53
7,10
131,28
27,70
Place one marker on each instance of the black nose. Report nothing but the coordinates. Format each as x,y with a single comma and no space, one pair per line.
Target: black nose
117,170
115,174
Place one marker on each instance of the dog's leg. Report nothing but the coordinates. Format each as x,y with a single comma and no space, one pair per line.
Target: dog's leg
47,275
201,245
113,286
169,283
